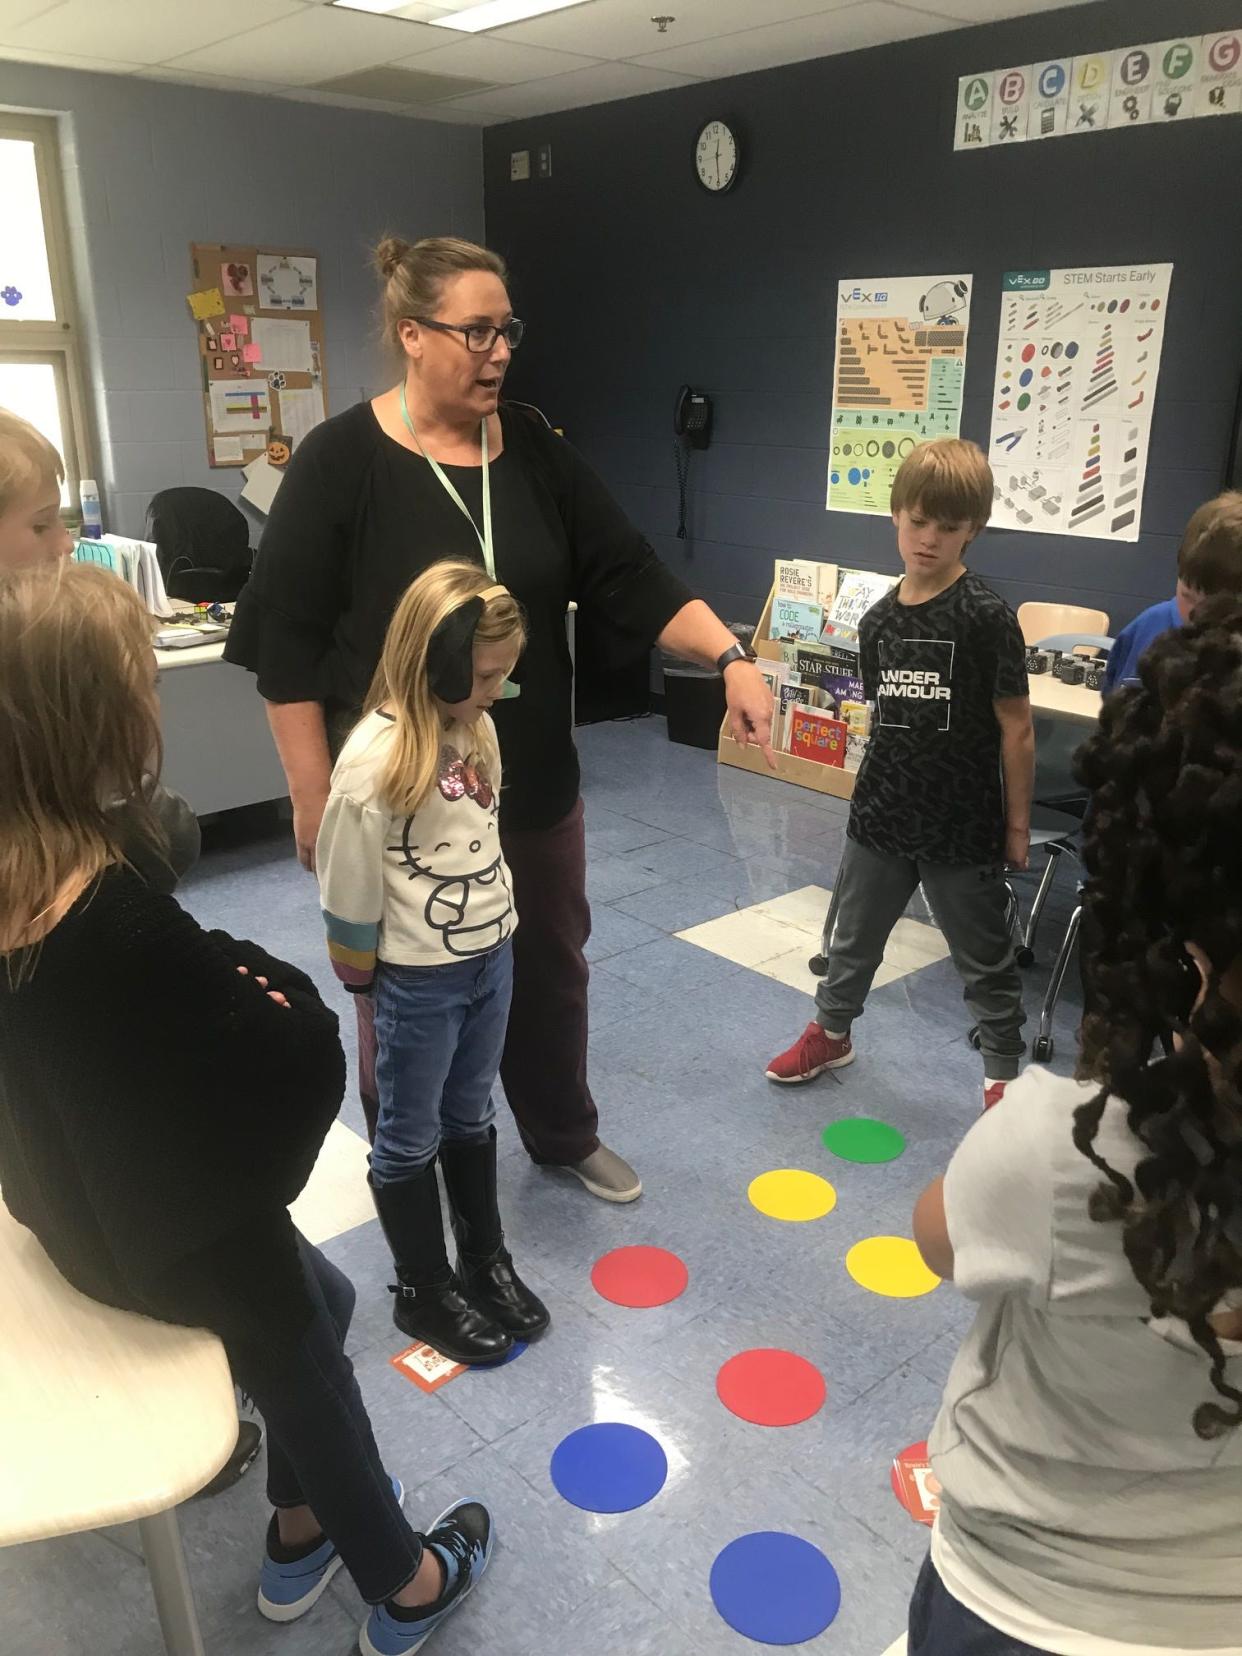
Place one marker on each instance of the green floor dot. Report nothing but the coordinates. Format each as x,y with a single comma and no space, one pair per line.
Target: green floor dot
859,1139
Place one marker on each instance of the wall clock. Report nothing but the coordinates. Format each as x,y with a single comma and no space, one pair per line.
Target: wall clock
717,157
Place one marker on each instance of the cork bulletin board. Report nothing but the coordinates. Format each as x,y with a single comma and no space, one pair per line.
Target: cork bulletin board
260,336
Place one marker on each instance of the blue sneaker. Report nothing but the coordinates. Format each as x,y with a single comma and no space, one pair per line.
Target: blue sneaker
287,1591
462,1540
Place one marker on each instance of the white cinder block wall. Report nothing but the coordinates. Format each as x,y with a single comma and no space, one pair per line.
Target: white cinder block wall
151,167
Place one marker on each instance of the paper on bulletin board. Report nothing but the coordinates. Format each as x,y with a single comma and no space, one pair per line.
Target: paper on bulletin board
262,482
1076,372
898,379
300,412
239,405
288,281
283,345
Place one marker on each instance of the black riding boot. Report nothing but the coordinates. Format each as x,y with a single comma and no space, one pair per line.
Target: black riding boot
484,1265
430,1304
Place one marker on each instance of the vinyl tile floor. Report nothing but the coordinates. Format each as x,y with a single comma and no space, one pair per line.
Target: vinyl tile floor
708,888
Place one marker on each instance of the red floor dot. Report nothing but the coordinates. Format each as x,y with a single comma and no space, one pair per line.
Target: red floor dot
640,1277
771,1388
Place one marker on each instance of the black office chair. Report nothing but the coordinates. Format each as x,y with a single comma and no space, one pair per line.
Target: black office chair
202,542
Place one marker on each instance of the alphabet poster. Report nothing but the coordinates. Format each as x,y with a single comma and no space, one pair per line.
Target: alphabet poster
1076,372
900,370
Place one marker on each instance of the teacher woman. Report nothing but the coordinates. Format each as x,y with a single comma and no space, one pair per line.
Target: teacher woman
437,468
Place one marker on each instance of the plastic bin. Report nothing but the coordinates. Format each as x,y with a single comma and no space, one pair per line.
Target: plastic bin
694,698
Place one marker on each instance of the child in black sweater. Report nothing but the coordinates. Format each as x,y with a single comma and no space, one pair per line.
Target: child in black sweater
162,1187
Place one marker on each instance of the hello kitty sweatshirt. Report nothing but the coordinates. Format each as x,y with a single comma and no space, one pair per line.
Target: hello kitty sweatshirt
421,890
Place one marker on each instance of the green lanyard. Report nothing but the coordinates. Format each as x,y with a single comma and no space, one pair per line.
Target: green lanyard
485,538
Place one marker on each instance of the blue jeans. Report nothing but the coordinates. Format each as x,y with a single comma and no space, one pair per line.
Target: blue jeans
320,1447
940,1626
439,1032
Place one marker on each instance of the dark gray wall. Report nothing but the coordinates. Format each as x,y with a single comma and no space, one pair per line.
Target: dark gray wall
634,280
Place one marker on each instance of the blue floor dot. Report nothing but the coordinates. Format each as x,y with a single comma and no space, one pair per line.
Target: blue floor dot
609,1468
776,1589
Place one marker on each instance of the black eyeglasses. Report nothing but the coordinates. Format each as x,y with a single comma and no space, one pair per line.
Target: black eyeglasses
480,337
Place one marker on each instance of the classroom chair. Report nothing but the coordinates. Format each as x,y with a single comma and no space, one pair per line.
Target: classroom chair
1038,621
202,541
106,1417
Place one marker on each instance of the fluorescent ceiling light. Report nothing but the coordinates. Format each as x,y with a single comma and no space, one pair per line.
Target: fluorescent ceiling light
494,14
408,10
370,5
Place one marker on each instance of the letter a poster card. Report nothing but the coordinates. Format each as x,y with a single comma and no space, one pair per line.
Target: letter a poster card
1076,372
900,369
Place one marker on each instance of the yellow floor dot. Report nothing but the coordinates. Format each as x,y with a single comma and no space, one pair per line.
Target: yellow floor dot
890,1265
789,1193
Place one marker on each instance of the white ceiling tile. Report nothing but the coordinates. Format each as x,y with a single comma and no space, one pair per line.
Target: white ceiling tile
871,23
572,91
13,13
67,60
315,44
623,28
987,11
143,32
485,58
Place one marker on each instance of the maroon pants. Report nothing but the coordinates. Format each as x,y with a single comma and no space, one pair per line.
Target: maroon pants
544,1068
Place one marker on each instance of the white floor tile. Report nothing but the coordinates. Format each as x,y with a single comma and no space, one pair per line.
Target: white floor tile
337,1196
777,938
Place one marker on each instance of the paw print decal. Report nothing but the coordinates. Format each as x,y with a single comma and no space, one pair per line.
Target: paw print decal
11,295
277,382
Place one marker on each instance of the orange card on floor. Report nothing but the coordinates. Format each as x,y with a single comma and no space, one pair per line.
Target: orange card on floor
426,1367
915,1484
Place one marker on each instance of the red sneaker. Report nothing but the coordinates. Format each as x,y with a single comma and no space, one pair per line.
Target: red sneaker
811,1054
992,1095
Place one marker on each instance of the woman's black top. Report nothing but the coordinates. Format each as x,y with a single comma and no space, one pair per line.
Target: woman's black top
358,516
158,1113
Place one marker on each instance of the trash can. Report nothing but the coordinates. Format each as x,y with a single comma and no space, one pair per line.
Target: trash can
694,698
694,703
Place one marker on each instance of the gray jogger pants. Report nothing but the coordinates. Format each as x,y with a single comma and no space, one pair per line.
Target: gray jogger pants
969,903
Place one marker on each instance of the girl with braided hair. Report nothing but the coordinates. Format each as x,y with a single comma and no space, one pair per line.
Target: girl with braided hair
1089,1446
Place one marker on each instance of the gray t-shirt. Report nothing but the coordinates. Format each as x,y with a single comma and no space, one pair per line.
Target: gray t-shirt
1073,1483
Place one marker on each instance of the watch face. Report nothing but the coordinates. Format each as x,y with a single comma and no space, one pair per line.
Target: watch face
716,157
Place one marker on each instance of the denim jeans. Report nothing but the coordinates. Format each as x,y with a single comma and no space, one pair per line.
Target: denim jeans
439,1033
940,1626
320,1447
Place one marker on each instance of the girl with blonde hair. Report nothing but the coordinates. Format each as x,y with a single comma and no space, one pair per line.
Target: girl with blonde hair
418,903
162,1186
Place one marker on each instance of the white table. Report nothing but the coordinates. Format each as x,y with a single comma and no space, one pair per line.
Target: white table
1073,702
218,748
105,1418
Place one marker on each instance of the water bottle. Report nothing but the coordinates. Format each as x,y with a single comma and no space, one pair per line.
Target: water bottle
92,517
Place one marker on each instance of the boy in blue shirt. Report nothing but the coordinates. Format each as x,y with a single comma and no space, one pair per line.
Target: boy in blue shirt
1209,561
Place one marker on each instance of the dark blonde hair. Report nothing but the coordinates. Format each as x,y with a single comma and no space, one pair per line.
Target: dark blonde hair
948,479
401,684
414,274
1210,556
79,731
26,459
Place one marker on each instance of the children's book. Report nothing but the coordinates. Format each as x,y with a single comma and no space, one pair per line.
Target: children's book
794,618
806,580
857,591
793,694
818,736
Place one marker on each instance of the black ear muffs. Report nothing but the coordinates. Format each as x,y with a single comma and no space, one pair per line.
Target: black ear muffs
450,653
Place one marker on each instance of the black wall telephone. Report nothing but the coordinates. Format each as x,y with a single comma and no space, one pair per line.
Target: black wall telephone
692,417
692,426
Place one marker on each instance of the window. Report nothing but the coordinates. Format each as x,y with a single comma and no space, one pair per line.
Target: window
40,369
